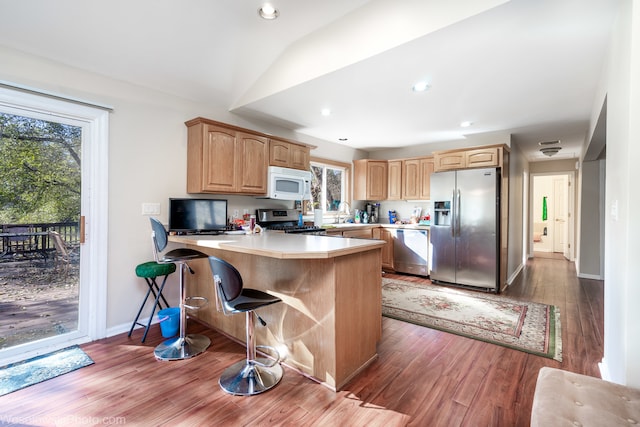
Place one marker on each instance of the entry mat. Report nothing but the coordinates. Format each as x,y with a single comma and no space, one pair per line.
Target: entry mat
22,374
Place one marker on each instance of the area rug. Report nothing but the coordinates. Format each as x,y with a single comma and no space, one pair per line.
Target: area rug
33,371
526,326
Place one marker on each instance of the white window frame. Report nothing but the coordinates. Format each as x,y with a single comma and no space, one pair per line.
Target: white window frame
345,191
94,121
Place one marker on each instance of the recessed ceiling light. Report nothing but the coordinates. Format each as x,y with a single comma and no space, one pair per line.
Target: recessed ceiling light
465,124
267,11
421,87
325,112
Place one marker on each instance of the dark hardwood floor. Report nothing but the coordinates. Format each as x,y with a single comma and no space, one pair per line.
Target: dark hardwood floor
422,377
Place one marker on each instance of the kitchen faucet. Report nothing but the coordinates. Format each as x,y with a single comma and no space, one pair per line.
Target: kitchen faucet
347,211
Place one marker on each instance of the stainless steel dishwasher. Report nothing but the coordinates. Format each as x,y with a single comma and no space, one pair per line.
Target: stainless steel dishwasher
411,251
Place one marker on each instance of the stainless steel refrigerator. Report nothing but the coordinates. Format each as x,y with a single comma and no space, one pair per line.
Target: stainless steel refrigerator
465,228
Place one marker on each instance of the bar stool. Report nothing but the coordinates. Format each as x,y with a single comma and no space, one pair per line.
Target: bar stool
184,346
253,375
149,271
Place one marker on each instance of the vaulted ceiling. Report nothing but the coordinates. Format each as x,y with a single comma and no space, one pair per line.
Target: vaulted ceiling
529,68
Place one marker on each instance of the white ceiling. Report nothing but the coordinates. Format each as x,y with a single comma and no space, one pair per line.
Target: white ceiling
528,68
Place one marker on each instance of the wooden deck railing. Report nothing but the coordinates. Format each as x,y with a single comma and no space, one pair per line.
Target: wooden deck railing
26,239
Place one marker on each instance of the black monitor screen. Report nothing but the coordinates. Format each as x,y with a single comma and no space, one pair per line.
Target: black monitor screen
197,215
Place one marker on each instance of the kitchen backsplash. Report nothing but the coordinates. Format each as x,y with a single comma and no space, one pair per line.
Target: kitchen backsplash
404,210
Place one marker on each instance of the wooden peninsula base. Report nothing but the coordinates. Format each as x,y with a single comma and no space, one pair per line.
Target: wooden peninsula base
330,319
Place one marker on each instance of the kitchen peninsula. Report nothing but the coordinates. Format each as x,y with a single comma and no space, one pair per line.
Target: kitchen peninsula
330,318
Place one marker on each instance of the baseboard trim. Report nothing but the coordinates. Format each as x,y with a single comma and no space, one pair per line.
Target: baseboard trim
604,370
590,276
124,327
515,274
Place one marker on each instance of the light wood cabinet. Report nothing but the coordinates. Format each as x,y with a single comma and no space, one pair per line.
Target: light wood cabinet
225,160
382,233
364,233
416,180
370,179
427,166
394,186
288,155
484,157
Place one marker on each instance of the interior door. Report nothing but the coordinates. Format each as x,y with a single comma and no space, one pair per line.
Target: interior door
560,214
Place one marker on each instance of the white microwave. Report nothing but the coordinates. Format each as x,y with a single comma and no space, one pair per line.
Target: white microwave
288,184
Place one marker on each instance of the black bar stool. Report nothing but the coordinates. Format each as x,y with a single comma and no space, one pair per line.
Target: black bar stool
184,346
149,271
253,375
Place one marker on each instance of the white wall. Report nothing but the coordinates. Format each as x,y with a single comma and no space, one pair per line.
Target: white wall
147,163
622,246
518,165
591,245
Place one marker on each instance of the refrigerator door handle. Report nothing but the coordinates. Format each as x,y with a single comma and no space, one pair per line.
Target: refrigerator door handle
458,209
453,213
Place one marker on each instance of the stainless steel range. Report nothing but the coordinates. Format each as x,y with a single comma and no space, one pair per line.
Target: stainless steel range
286,221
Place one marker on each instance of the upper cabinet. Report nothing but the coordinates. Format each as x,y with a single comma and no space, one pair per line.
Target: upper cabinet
225,160
416,178
370,179
288,155
483,157
403,179
394,187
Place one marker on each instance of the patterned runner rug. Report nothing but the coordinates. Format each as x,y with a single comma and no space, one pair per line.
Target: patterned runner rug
33,371
526,326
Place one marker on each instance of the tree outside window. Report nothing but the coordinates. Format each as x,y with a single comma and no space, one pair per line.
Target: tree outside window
40,170
328,187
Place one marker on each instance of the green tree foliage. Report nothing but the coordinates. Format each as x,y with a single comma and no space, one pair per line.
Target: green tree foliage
40,170
328,180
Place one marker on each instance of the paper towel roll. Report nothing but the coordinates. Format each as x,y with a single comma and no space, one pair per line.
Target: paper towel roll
317,217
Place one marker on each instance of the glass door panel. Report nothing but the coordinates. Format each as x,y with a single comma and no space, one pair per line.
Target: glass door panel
40,200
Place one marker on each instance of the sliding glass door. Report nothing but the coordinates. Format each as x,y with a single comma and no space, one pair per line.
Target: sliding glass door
45,258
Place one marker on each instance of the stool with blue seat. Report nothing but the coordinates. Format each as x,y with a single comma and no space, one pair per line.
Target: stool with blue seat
185,345
253,375
150,271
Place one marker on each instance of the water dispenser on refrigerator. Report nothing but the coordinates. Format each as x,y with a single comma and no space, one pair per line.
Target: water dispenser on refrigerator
442,213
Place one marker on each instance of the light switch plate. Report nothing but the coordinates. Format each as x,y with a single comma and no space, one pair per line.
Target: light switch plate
151,209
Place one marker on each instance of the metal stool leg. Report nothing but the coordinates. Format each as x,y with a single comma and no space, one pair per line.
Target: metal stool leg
184,346
253,375
151,282
157,303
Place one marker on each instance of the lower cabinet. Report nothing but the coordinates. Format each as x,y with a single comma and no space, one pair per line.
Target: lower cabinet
382,233
363,233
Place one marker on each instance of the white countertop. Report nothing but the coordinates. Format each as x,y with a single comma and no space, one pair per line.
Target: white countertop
282,245
407,226
346,225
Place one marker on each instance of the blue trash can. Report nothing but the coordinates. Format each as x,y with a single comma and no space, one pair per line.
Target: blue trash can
169,319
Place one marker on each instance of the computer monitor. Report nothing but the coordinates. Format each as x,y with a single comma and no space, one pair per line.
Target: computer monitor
191,216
